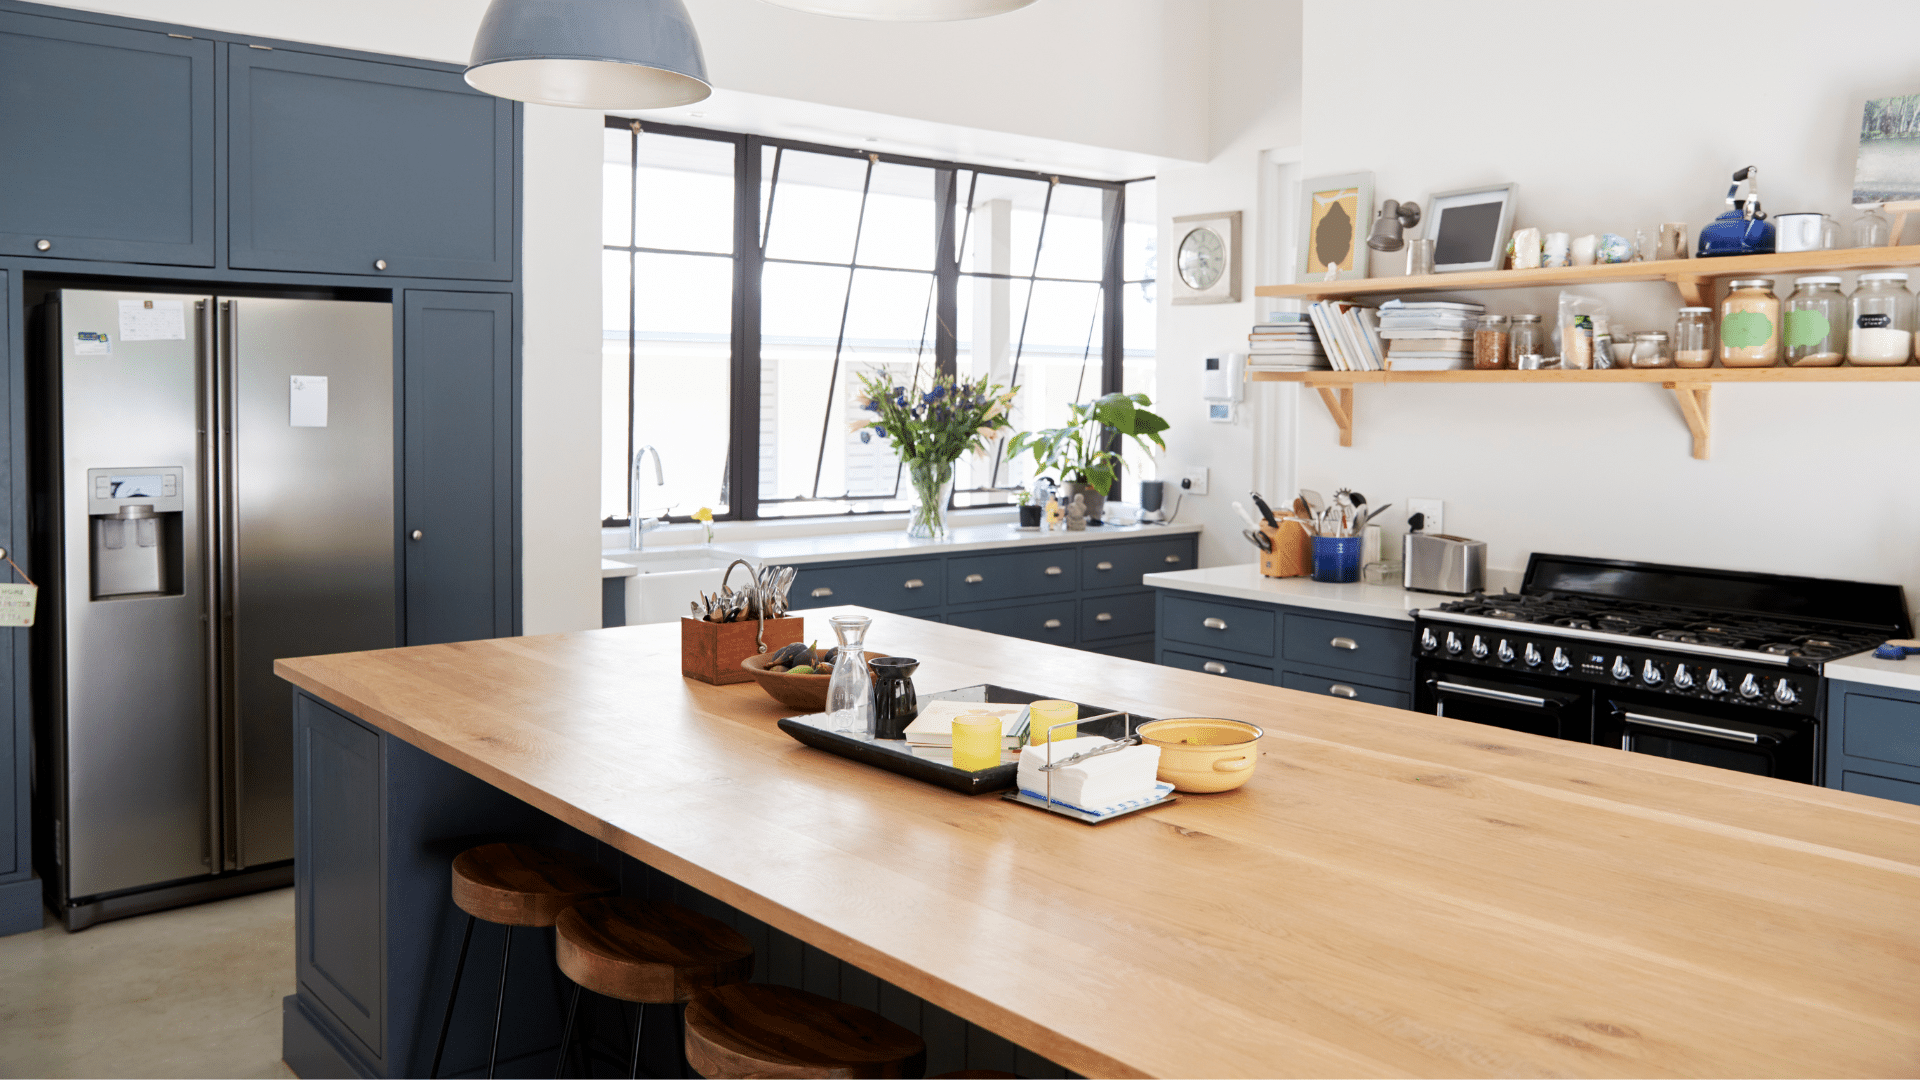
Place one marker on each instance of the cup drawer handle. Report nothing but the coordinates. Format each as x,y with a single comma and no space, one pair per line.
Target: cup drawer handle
975,579
1214,667
1105,616
1343,690
822,591
1173,558
1103,567
1054,571
915,583
1344,643
1213,623
1051,624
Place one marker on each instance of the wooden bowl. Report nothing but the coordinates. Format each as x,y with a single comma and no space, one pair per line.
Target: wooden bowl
1202,754
808,693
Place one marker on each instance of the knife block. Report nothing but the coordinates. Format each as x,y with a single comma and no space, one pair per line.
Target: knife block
1292,554
711,652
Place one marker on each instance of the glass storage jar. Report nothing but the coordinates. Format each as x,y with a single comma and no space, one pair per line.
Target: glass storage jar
1750,324
1526,336
1490,335
1814,322
1693,338
1650,349
1880,321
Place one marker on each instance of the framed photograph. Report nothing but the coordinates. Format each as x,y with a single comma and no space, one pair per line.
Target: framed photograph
1336,212
1206,264
1469,227
1887,168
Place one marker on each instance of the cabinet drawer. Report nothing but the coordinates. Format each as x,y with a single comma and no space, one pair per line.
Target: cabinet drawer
889,586
1880,787
1050,622
1125,615
1342,688
1223,626
1232,669
1883,729
1349,646
973,578
1138,650
1115,566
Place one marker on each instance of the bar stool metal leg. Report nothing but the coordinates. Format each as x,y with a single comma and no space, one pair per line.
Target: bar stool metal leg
500,1000
639,1025
566,1033
466,941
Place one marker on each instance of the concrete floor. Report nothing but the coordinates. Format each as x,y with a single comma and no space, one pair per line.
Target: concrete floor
192,992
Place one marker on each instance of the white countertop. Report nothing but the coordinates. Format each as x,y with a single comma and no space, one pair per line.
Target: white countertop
1243,581
1863,668
841,547
609,568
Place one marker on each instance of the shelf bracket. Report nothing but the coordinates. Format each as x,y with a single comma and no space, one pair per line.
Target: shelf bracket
1696,290
1340,404
1696,405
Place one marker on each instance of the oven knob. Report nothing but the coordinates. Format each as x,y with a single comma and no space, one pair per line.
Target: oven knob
1682,678
1505,652
1480,649
1650,674
1561,661
1453,643
1533,655
1784,693
1621,669
1715,683
1750,686
1427,640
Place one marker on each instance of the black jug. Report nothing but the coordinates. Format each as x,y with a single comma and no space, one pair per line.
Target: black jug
894,704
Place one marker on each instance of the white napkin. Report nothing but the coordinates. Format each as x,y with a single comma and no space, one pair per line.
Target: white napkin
1103,781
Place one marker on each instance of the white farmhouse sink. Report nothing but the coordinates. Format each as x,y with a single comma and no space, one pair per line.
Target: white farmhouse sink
670,579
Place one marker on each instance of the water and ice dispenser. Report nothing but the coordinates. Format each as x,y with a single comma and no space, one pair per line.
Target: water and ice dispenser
135,530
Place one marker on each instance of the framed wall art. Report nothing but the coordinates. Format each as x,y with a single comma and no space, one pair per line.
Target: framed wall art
1887,167
1206,264
1335,211
1469,226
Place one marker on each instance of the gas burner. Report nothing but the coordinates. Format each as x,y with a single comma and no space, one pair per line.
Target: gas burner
1574,624
1810,647
1781,648
1618,624
1502,613
1684,637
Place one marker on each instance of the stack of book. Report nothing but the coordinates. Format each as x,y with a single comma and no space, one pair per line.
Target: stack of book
1350,333
1285,342
1428,335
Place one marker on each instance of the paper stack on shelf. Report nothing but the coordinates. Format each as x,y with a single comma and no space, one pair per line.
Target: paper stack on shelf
1350,334
1285,342
1428,335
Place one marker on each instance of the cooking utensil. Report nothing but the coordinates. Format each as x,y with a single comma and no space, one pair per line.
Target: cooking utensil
1258,540
1204,754
1244,516
1265,510
1368,520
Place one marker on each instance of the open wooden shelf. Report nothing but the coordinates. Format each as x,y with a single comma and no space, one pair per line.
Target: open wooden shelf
1692,387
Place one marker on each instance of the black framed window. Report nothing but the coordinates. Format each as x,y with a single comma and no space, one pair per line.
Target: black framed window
749,280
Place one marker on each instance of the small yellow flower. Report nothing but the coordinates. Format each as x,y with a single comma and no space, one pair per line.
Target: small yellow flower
703,514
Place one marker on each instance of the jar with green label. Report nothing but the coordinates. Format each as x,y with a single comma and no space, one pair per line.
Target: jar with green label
1750,324
1815,323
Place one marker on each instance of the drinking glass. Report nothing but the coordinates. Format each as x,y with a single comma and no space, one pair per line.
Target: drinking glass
976,741
1042,715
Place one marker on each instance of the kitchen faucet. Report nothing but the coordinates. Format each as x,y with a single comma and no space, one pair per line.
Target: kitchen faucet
638,527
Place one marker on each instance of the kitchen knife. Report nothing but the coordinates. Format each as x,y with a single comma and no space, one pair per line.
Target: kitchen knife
1265,510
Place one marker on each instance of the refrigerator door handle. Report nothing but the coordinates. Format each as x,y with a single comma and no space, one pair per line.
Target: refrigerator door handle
209,557
227,554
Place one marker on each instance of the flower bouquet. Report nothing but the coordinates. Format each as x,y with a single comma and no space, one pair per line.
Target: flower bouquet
930,432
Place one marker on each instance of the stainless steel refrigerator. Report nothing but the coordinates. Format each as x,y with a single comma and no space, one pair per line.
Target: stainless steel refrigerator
216,477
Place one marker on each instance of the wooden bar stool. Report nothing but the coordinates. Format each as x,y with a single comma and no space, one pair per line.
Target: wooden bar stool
645,952
514,885
776,1031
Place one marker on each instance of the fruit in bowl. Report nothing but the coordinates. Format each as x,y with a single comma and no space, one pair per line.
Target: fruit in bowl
796,675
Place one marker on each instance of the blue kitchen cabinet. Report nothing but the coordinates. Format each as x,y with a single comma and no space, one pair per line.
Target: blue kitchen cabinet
1345,656
1873,740
19,889
457,514
349,166
977,578
106,143
1051,621
890,585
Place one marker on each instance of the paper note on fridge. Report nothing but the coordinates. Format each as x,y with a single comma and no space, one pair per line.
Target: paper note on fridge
153,320
92,343
309,401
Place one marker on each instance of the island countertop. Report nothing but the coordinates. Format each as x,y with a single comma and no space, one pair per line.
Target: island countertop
1391,894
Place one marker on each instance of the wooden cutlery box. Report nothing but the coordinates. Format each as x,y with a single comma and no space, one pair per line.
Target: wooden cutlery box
711,651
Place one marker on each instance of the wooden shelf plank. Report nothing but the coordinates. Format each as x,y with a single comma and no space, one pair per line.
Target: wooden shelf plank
1688,273
1715,376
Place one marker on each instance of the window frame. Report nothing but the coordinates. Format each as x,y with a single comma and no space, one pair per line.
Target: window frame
749,259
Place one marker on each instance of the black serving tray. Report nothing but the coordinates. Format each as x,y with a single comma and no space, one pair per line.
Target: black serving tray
894,755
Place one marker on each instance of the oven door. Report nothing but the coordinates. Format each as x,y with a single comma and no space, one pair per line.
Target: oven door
1507,703
1765,745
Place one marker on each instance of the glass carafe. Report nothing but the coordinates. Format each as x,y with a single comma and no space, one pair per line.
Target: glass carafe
849,692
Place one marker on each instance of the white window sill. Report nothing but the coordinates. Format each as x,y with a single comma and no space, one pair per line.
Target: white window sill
692,533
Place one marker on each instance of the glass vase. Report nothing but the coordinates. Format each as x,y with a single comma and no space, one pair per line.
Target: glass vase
932,491
849,690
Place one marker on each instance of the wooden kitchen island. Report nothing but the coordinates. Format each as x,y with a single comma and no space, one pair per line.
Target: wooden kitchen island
1392,894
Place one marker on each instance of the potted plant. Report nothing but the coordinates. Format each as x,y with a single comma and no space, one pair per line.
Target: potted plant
929,432
1029,511
1078,454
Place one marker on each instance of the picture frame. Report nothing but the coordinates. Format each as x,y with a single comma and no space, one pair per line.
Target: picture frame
1475,237
1206,258
1329,204
1887,163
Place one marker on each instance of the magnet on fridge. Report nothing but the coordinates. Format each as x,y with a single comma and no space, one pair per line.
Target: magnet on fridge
308,401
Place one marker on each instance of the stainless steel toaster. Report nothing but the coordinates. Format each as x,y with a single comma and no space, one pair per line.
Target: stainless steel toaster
1438,563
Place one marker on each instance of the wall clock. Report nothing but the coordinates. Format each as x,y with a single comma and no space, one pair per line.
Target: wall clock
1206,259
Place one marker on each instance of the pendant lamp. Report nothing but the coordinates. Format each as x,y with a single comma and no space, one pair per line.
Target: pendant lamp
905,10
589,54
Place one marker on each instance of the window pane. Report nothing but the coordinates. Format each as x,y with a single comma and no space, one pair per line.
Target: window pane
1075,242
683,314
1057,363
1142,231
616,188
684,194
683,294
813,210
1140,371
901,218
999,236
616,287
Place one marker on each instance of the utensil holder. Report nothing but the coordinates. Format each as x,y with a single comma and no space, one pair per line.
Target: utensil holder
1292,554
711,652
1337,558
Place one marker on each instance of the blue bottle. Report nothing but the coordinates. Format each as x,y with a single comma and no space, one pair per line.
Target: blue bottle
1743,229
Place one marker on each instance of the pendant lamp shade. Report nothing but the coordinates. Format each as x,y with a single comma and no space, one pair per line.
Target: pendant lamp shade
589,54
905,10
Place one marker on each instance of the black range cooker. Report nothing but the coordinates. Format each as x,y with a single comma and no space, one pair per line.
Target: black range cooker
1710,666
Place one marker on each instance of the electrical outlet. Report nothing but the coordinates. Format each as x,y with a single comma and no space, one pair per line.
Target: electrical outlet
1434,509
1194,480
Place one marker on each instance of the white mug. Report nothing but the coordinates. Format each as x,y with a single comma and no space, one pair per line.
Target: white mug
1583,248
1556,250
1802,232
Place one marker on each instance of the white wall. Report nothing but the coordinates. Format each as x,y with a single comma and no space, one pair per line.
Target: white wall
1612,116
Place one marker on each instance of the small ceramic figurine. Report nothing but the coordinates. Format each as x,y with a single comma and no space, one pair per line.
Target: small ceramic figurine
1077,514
1054,514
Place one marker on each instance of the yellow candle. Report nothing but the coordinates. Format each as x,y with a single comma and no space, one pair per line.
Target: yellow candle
976,741
1042,715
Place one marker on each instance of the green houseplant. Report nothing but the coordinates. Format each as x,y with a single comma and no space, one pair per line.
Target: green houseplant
929,431
1079,455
